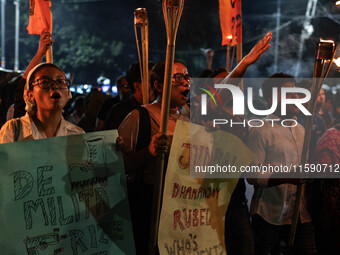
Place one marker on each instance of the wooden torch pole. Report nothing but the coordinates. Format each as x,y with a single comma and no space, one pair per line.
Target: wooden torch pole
172,10
325,50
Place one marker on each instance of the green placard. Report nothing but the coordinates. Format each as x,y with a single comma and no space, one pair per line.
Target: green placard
64,195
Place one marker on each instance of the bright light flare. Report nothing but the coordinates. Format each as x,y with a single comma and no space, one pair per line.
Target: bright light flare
229,37
337,3
337,61
327,41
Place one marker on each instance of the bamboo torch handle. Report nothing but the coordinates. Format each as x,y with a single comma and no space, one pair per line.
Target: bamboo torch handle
325,51
49,55
172,10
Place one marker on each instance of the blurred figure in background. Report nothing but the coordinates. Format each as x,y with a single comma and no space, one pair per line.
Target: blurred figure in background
336,110
324,198
121,110
328,107
272,204
93,102
320,108
79,109
319,126
123,95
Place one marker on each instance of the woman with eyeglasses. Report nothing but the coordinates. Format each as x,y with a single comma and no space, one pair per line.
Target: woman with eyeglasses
46,93
143,143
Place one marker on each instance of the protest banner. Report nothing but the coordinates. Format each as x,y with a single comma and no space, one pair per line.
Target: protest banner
231,21
40,19
193,209
231,28
64,195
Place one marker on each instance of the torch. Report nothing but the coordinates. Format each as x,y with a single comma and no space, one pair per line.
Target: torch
49,55
172,10
209,53
325,51
141,20
210,57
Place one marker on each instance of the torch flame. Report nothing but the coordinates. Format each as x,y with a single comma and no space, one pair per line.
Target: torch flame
337,3
337,61
328,41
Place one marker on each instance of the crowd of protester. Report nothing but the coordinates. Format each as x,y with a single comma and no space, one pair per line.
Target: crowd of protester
40,110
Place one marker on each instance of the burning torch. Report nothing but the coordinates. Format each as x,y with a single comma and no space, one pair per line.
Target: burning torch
172,10
325,51
141,20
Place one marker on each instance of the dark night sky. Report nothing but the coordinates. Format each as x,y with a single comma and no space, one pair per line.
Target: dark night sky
199,28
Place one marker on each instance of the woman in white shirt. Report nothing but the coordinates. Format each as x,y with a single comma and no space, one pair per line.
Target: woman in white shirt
46,93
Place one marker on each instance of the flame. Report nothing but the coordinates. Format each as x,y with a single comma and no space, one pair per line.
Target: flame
328,41
337,61
229,37
337,3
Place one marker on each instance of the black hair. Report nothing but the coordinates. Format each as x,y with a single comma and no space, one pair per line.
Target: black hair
275,80
157,74
133,74
120,80
79,101
205,73
219,70
336,104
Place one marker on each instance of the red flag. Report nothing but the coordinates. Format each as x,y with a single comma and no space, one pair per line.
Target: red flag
231,21
40,17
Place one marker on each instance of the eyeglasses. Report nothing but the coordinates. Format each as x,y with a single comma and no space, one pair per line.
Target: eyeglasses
46,83
180,78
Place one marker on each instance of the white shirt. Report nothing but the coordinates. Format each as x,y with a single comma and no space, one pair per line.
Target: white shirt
276,145
29,131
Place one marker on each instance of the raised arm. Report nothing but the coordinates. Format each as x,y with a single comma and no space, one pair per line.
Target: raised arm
44,43
250,58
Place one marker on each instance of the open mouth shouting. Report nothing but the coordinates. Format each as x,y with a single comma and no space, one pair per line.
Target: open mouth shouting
185,94
55,95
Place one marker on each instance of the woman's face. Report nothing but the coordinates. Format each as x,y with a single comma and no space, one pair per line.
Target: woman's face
53,98
321,98
180,85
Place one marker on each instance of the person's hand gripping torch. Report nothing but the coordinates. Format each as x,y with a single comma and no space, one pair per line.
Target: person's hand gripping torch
325,51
